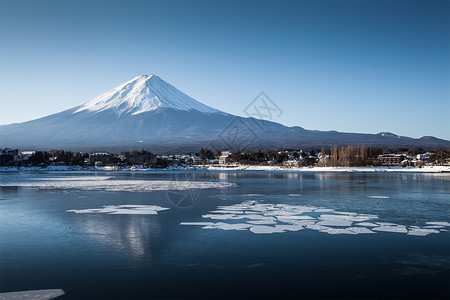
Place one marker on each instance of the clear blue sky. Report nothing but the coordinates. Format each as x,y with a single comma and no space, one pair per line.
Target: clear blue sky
354,66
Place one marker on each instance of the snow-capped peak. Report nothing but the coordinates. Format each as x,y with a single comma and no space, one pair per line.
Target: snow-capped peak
142,94
388,134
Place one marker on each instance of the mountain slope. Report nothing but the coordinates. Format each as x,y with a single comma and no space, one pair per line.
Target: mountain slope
144,93
149,112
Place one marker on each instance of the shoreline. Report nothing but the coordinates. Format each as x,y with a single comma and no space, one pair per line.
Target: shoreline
225,168
426,169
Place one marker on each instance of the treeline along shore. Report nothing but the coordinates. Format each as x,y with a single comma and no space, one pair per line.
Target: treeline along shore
350,156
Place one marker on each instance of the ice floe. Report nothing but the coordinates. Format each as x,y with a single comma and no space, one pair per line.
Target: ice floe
262,222
219,217
294,227
103,183
266,218
386,224
345,213
391,228
434,226
360,230
122,210
266,229
324,210
378,197
446,224
318,227
367,224
197,223
330,230
421,231
289,219
254,216
303,222
335,222
226,226
349,218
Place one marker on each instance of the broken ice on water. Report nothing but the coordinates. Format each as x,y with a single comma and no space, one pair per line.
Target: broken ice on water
109,184
421,231
126,209
445,224
266,218
392,228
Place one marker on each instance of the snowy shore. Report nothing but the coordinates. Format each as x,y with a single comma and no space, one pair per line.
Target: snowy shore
426,169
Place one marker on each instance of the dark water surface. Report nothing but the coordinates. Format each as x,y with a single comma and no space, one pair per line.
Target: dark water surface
109,256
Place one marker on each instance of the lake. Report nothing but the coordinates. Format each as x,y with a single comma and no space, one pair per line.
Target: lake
226,235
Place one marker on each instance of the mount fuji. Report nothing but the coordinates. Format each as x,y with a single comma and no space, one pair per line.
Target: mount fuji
143,94
148,112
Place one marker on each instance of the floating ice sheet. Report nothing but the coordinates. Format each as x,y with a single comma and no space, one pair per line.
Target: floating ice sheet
367,224
266,229
197,223
35,295
303,223
386,224
342,217
360,230
236,226
255,216
324,210
434,226
338,231
335,222
391,228
102,183
345,213
228,211
446,224
318,227
294,227
263,222
266,218
378,197
122,210
421,231
134,212
75,178
289,219
218,216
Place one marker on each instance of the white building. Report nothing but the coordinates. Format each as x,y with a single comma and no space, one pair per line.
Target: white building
223,157
424,156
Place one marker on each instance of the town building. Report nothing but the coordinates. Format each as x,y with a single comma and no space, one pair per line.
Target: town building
97,159
223,157
139,158
424,157
8,156
391,159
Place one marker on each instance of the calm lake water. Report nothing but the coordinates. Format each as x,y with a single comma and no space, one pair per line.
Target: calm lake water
337,235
